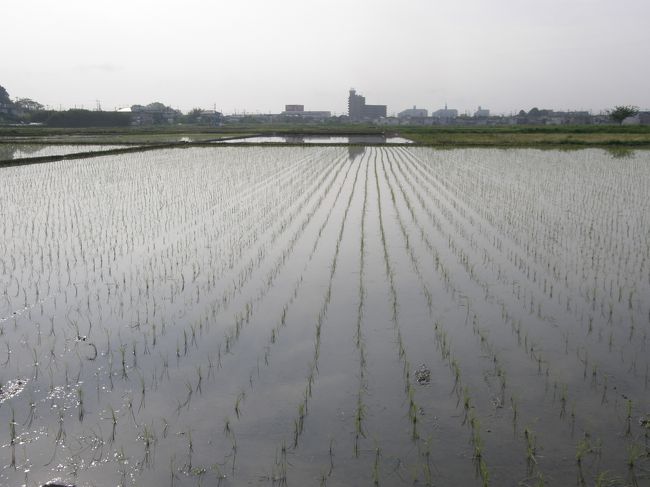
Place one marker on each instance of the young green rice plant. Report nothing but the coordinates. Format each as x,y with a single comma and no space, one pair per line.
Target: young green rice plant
123,356
12,438
172,470
199,381
190,451
426,467
80,404
113,419
585,447
60,435
635,451
148,438
32,412
531,450
467,403
302,411
281,465
129,407
358,424
563,400
375,467
227,428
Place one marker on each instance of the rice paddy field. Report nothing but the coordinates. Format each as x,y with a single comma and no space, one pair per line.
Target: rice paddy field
326,316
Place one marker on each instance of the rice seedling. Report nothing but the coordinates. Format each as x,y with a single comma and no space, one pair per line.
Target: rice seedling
375,467
531,450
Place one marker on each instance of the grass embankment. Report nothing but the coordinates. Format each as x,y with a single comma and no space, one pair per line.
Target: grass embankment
529,136
119,136
437,136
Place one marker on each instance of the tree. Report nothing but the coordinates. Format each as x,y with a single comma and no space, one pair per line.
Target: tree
28,105
4,96
621,112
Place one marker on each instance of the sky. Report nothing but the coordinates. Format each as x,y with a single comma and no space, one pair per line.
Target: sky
255,56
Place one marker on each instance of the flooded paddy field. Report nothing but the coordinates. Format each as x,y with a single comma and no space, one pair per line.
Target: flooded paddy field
316,139
326,316
20,151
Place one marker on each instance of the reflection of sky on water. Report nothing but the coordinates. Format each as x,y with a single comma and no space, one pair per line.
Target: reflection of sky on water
316,139
19,151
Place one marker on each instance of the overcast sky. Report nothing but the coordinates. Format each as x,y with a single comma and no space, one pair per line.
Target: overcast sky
258,55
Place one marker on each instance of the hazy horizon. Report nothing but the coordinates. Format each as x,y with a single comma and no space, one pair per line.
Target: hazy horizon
257,56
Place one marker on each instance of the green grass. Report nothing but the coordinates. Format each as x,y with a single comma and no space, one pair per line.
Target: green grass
438,136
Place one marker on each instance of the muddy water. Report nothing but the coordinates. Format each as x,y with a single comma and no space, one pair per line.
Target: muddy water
236,316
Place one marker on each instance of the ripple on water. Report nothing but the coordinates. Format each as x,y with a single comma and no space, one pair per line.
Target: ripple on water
11,389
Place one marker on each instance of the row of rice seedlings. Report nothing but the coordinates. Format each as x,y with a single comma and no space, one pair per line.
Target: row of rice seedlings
591,301
302,410
225,297
480,209
360,410
124,361
593,374
239,399
280,465
276,330
423,444
500,372
540,362
468,405
246,316
484,344
487,256
409,391
35,238
303,406
238,402
573,415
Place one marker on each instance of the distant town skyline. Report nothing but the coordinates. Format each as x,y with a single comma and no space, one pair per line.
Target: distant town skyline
256,57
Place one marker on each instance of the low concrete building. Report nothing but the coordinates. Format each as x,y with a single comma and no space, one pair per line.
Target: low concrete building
299,112
414,113
210,117
445,114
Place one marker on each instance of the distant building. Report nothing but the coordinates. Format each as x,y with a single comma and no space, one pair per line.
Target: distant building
413,113
153,114
210,117
445,114
551,117
481,113
299,112
358,110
